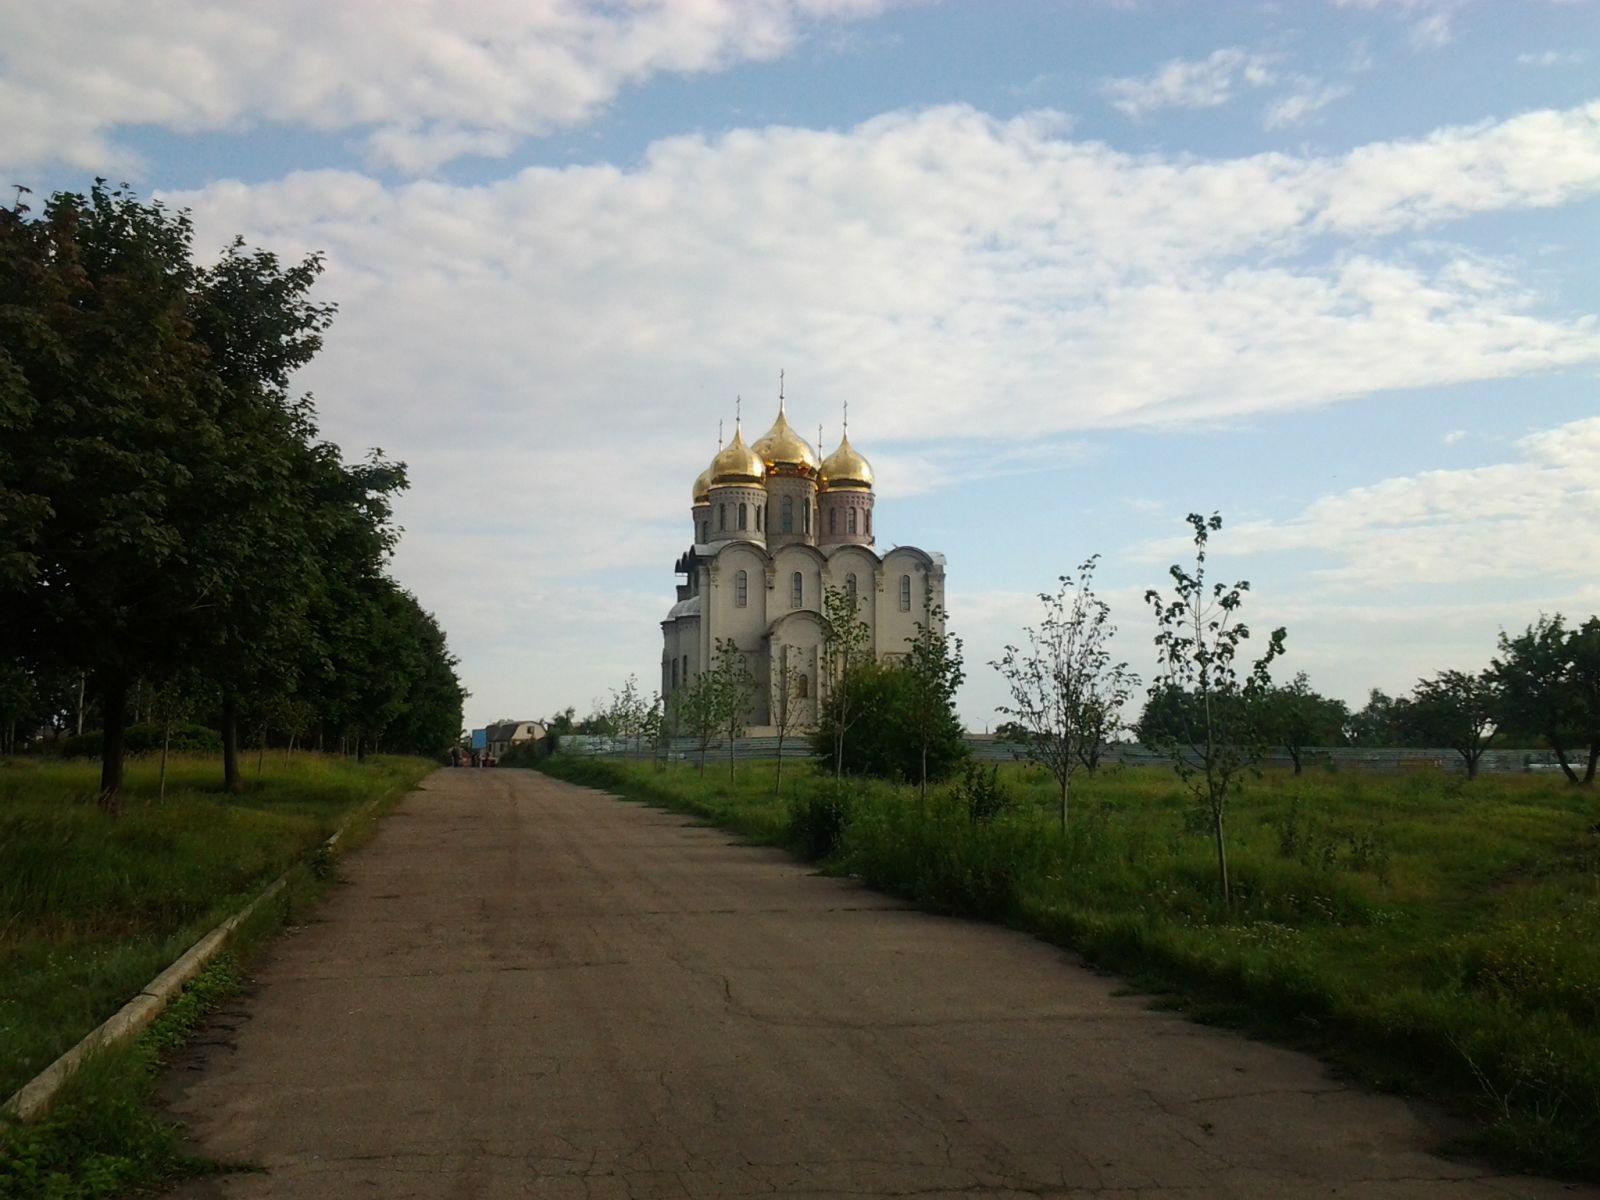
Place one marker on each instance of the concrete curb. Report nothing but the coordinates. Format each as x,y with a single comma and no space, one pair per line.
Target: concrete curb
33,1099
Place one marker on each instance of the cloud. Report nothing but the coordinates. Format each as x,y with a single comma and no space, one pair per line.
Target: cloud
422,82
1184,83
1551,58
1529,519
1298,107
551,352
1430,24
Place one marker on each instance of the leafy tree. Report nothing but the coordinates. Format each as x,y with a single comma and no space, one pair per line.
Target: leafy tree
1381,723
1455,709
1297,717
846,648
927,702
695,711
1066,692
564,722
1198,643
1548,682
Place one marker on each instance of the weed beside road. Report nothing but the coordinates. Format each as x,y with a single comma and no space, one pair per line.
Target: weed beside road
1435,937
92,907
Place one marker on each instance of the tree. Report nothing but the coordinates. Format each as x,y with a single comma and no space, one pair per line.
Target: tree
1380,723
695,710
733,686
1455,709
1296,717
1548,682
846,648
1198,642
1065,690
791,708
933,670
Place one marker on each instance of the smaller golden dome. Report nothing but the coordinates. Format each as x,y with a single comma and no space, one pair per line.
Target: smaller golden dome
846,471
702,486
736,463
781,447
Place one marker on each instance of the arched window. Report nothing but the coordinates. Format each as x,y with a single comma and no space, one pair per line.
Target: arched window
905,593
741,589
850,518
808,518
802,689
788,514
797,593
833,520
850,586
758,518
686,668
868,515
722,516
744,515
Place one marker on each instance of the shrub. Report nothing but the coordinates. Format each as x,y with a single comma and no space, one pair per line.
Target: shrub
883,741
818,818
146,738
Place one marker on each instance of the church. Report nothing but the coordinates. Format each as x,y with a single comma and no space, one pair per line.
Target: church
775,525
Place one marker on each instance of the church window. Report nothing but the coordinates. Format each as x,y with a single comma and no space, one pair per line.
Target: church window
802,689
741,589
905,593
722,516
850,586
788,514
807,516
797,592
833,520
686,668
758,518
868,515
851,518
744,515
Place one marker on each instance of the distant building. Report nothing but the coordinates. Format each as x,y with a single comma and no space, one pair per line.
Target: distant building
502,735
774,526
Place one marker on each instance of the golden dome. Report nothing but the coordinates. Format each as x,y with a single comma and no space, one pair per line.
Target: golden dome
781,446
844,470
736,463
702,486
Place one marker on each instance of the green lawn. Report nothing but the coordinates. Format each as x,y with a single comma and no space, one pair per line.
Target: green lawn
1438,937
92,907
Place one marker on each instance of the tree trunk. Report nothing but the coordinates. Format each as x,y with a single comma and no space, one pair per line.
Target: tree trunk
777,779
166,742
1066,783
1294,754
1588,774
1222,859
81,682
114,725
261,751
361,747
230,741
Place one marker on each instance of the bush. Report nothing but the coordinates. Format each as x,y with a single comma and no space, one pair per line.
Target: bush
146,739
818,818
882,741
981,793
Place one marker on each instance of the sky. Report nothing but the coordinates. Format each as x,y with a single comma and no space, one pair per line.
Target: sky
1079,268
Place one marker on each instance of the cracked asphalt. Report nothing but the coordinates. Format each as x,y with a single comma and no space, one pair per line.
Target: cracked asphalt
527,988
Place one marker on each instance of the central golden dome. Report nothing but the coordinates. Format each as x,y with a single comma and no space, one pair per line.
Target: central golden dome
844,470
781,448
736,463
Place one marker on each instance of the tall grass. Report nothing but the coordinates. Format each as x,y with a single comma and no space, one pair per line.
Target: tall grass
1436,936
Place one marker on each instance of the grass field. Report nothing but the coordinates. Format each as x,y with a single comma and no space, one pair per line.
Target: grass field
92,907
1434,936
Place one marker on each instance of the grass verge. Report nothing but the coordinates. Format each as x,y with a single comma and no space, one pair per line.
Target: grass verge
1434,937
93,907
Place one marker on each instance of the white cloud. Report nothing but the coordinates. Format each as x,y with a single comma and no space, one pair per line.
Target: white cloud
1551,58
551,352
423,82
1530,519
1430,24
1299,106
1183,83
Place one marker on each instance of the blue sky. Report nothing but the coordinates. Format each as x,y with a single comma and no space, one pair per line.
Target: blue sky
1078,268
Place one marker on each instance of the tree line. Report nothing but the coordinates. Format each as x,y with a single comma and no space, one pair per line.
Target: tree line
174,534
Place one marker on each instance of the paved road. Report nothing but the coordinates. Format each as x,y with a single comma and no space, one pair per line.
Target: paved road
532,989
